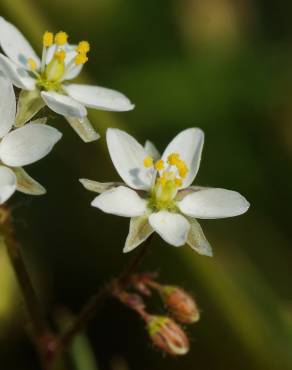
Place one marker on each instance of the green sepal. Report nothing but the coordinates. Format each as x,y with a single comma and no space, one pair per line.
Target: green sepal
29,104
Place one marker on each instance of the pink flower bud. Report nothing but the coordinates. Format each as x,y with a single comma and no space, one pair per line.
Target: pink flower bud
167,335
180,304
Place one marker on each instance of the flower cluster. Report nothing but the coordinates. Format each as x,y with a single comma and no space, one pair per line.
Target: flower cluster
156,191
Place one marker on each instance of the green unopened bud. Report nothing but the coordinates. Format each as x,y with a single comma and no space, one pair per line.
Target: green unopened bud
167,335
180,304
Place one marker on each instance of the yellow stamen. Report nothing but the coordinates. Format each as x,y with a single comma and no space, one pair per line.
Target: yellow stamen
168,175
182,168
60,55
178,182
83,47
61,38
159,165
173,159
162,181
148,162
32,64
48,39
81,59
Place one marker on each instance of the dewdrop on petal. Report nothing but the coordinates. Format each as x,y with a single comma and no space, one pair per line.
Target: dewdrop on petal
167,335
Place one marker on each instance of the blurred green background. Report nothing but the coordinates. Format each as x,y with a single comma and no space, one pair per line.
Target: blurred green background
222,65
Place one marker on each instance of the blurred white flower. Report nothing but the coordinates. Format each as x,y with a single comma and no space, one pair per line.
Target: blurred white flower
43,82
20,147
157,193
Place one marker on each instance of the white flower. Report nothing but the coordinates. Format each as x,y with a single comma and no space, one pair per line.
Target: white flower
20,147
157,193
43,82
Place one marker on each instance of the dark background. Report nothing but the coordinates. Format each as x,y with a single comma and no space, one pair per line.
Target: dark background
224,66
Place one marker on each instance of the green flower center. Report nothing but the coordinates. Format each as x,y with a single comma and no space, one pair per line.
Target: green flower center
169,180
50,76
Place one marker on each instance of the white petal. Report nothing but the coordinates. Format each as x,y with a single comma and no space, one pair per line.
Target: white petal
63,104
7,183
184,192
28,144
128,156
120,201
17,74
7,106
189,144
213,203
99,97
139,231
151,150
172,227
99,187
26,184
83,128
72,72
15,45
197,240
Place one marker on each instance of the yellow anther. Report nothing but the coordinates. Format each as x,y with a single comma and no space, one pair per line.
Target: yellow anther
60,55
32,64
48,39
178,182
159,165
182,168
148,161
61,38
83,47
173,159
81,59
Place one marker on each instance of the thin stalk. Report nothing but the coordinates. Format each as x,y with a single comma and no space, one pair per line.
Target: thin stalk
89,310
29,295
40,330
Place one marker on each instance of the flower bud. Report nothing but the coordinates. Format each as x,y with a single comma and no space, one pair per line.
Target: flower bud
180,304
167,335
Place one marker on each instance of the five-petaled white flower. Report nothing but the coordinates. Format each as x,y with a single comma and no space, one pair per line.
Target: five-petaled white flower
20,147
43,82
157,193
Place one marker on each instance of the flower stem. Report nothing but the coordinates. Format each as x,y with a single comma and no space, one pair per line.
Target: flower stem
89,310
40,329
24,280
